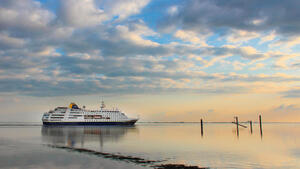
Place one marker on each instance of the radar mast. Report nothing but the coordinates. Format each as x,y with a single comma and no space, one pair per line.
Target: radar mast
102,104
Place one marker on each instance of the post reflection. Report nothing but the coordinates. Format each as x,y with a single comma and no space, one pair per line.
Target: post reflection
79,136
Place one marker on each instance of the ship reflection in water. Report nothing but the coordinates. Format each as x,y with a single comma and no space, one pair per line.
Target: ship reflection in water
84,136
177,143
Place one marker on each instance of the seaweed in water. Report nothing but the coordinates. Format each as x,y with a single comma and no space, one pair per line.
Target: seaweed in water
135,160
177,166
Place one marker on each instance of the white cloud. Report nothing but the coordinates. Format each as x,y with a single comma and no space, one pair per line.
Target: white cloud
241,36
238,65
87,13
26,15
251,53
172,10
257,66
258,21
135,36
7,41
82,13
116,54
285,43
267,38
190,36
281,59
123,8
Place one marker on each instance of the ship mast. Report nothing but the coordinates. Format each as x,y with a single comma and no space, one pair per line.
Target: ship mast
102,104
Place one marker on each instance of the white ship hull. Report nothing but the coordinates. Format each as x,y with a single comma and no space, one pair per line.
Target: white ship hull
73,115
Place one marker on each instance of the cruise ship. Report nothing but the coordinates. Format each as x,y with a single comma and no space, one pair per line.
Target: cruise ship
73,115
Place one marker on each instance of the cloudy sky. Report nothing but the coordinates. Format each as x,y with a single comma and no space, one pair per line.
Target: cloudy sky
163,60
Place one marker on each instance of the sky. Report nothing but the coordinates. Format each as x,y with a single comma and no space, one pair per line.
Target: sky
166,60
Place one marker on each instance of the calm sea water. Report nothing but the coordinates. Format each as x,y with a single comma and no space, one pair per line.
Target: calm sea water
177,143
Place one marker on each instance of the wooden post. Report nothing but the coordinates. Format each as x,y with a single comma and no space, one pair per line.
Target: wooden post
201,121
237,125
260,125
250,126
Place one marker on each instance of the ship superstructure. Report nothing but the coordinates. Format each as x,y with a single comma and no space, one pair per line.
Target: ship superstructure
73,115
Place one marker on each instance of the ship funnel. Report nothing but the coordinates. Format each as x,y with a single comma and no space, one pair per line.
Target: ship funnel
73,106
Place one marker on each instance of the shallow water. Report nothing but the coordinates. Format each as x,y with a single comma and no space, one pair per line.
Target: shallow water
176,143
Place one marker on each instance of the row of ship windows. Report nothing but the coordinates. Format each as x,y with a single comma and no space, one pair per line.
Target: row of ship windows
107,118
85,117
87,112
72,111
90,111
56,112
105,111
61,120
64,116
75,115
95,117
72,114
96,111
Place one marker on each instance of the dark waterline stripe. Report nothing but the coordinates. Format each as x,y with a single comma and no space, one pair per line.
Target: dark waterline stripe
130,123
